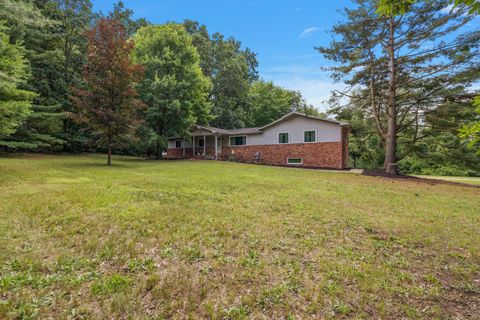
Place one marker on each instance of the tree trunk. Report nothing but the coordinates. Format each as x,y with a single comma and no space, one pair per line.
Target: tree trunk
159,151
391,147
109,156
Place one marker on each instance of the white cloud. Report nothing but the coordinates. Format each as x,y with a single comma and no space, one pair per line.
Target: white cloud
308,31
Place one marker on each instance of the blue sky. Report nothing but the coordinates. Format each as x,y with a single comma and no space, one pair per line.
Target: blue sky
283,33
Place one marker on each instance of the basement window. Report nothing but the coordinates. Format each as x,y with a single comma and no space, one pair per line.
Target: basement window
295,161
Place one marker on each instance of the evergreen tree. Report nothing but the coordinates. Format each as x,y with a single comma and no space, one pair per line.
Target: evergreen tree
125,17
400,68
14,102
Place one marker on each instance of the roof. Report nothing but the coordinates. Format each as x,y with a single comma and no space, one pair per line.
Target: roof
259,129
294,114
229,131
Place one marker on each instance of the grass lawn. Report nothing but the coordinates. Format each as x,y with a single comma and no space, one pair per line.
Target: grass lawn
468,180
220,240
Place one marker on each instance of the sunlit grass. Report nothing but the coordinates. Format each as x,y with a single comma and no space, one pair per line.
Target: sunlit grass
220,240
468,180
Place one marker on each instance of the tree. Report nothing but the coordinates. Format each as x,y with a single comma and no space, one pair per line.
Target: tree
14,102
108,102
72,19
174,87
125,17
231,70
471,131
400,68
268,102
396,7
29,23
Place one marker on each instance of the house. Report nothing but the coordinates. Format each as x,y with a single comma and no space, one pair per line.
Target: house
296,139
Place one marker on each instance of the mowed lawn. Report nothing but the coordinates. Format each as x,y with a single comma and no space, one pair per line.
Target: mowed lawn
220,240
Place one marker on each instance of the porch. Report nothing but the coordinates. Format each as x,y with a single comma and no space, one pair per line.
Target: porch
201,145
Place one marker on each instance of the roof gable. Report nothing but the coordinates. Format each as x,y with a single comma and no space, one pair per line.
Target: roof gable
298,114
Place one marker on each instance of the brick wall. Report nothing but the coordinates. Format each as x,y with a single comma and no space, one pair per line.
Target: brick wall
316,155
319,154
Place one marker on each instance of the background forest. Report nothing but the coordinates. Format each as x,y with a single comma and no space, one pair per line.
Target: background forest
55,57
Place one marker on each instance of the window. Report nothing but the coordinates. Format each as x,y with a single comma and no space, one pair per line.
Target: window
310,136
238,141
201,142
283,137
178,144
295,161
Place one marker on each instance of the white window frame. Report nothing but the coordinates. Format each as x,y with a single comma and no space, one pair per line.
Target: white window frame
236,145
294,164
278,137
316,136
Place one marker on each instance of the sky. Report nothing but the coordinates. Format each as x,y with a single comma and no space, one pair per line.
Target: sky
283,33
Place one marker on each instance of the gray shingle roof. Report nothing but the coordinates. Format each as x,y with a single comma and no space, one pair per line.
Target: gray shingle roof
259,129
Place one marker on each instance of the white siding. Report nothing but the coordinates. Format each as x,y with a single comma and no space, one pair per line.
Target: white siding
171,143
326,132
295,126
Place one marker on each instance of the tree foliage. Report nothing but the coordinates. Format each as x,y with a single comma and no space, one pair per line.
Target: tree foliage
108,102
268,102
400,69
14,71
231,69
174,87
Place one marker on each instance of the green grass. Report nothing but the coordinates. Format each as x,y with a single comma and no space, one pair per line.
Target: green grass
220,240
467,180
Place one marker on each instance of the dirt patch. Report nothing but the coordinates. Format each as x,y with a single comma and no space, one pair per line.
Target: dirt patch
399,177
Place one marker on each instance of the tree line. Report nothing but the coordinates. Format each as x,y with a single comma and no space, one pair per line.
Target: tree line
75,80
409,68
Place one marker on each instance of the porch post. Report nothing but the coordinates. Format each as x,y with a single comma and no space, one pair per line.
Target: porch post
216,147
204,145
193,146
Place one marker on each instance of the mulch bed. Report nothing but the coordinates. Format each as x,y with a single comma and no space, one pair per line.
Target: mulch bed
383,174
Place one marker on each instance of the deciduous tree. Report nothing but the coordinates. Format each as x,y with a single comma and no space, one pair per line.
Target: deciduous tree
174,87
108,102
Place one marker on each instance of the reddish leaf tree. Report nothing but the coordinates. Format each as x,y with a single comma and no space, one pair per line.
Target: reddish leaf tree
108,102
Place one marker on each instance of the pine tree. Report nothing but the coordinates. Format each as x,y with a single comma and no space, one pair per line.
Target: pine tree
14,102
399,68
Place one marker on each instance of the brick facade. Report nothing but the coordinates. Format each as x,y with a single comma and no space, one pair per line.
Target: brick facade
314,155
